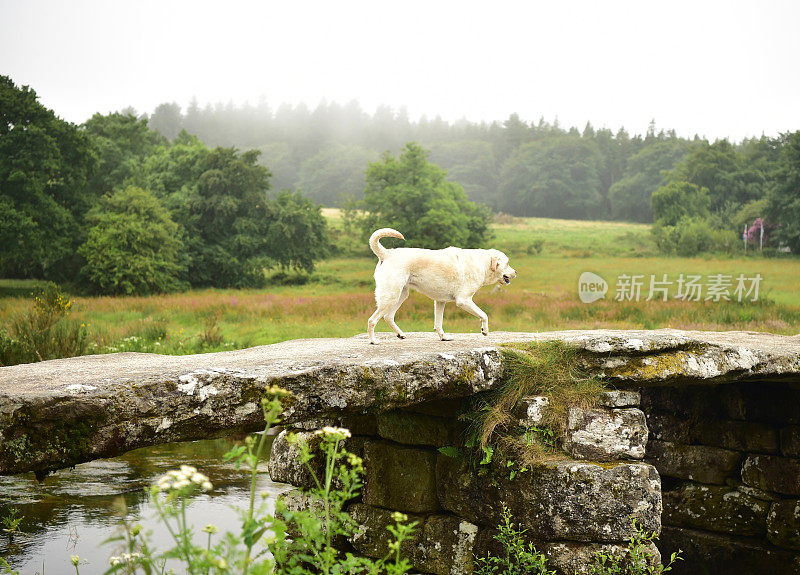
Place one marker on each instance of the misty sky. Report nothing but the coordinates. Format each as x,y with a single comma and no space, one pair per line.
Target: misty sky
719,69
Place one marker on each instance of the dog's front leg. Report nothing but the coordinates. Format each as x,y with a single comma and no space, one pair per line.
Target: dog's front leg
469,306
438,318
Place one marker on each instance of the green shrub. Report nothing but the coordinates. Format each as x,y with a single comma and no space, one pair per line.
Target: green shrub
518,557
726,240
154,329
133,246
694,236
44,332
637,559
412,195
535,246
679,200
12,351
212,334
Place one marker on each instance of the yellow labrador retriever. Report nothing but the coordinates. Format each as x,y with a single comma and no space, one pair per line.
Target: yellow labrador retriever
451,274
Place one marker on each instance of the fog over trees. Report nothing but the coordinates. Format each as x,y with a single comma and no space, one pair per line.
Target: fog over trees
516,166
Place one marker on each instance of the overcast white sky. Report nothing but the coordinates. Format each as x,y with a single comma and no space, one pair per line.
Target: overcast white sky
719,69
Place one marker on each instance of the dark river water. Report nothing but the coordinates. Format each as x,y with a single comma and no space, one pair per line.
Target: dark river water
74,510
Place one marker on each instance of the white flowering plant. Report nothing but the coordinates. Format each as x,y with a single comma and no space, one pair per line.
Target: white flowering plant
314,530
264,545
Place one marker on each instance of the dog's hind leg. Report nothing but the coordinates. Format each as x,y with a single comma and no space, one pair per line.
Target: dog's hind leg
438,318
469,306
389,317
372,322
388,297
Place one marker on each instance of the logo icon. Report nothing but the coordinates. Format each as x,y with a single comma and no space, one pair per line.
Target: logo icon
591,287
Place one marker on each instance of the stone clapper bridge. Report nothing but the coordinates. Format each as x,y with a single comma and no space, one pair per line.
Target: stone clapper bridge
700,441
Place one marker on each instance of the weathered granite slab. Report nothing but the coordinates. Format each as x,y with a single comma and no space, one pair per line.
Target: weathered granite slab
58,413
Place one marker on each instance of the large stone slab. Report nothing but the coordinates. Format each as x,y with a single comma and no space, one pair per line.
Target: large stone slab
400,477
771,402
59,413
570,558
716,554
620,398
564,500
738,435
418,428
790,441
285,465
714,508
567,557
783,524
605,434
669,427
771,473
694,462
440,544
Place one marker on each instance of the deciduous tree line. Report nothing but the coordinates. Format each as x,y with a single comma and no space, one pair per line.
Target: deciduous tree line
118,208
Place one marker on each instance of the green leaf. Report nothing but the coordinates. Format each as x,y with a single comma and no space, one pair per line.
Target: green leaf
450,451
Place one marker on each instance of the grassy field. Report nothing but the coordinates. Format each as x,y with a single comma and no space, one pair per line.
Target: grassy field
336,301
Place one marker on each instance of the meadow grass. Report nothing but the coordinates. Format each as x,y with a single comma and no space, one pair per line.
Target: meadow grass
337,299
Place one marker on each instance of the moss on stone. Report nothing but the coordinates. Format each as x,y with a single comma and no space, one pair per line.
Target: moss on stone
466,376
70,438
665,365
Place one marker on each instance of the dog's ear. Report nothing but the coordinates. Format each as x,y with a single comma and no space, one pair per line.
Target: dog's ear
494,264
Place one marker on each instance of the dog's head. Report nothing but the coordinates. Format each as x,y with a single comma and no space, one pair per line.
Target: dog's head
499,270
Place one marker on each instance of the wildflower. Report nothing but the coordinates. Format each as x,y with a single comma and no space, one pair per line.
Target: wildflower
398,517
135,529
176,480
180,484
334,432
210,528
354,460
75,560
114,561
277,391
222,564
130,557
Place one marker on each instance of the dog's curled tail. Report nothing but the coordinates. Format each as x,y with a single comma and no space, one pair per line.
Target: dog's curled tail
375,244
